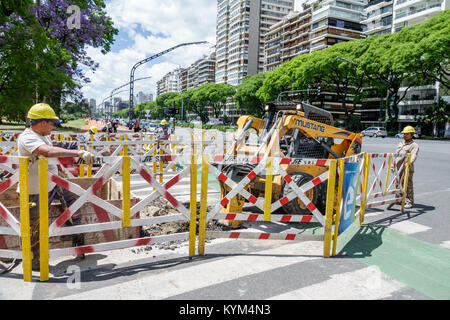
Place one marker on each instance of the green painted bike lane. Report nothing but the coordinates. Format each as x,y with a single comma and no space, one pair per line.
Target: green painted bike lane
420,265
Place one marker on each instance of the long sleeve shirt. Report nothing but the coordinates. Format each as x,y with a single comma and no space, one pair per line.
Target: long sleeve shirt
409,147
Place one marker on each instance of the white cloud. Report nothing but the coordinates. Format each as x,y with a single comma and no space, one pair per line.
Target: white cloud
153,26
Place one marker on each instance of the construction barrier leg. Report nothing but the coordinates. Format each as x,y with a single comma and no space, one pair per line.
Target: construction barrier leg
203,205
329,209
405,182
364,188
337,216
268,190
25,230
126,191
43,220
193,204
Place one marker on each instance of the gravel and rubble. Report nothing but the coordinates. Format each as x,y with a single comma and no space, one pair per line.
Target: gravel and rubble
161,207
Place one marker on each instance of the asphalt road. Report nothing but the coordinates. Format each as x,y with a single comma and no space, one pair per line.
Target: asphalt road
392,256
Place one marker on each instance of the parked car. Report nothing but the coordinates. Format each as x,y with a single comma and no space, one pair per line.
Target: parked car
150,127
400,135
375,132
215,122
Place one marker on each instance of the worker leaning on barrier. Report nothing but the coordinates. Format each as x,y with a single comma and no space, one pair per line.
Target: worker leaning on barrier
408,145
34,142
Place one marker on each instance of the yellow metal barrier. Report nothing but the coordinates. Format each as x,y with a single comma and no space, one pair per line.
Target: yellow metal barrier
268,190
203,205
337,216
126,197
25,230
329,209
405,182
43,219
364,187
193,204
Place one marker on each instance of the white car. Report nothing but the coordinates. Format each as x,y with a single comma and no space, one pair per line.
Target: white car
400,135
375,132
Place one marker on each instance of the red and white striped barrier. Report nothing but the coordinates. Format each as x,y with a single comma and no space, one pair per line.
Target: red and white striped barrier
388,182
11,226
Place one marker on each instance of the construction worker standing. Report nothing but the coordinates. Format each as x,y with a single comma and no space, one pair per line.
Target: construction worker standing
34,142
408,145
163,132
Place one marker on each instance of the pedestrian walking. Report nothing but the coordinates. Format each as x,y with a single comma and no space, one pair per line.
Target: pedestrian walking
34,142
408,145
136,125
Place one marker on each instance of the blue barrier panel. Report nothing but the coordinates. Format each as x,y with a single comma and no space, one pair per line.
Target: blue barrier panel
349,192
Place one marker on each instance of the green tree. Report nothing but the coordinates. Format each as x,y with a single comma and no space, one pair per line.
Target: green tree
384,73
10,7
23,47
246,99
197,107
425,50
214,95
165,101
437,115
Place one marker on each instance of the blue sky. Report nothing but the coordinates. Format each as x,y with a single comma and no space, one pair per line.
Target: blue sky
146,28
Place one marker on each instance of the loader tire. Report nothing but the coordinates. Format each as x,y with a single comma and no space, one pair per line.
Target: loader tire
296,206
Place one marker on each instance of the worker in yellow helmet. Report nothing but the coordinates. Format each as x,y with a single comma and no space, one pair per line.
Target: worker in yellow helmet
408,145
163,132
93,130
35,141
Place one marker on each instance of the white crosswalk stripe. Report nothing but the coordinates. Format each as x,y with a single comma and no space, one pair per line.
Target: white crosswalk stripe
181,191
363,284
409,227
171,283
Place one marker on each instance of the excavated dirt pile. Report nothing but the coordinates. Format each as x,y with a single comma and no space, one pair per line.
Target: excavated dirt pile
161,207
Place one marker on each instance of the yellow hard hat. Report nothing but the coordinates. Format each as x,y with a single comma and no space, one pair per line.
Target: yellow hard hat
93,129
408,129
43,111
163,122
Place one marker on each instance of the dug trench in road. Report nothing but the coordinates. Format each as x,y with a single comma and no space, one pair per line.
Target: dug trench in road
161,207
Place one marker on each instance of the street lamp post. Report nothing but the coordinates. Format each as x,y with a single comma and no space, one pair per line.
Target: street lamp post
133,69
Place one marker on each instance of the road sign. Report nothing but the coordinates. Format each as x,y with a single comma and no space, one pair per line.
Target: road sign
349,192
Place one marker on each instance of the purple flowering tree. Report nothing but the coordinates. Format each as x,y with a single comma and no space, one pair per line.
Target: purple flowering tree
43,53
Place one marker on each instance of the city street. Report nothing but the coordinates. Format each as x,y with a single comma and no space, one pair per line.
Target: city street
392,256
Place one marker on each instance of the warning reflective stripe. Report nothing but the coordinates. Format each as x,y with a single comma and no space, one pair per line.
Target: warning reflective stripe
263,236
9,218
86,195
260,217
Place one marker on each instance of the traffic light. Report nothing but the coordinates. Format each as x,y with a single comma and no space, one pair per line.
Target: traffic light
318,90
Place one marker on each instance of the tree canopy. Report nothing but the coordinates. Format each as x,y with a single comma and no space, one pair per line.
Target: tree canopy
43,58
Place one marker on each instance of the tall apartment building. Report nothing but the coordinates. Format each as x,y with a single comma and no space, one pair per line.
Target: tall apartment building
287,39
335,21
198,73
321,24
390,17
240,31
379,17
169,83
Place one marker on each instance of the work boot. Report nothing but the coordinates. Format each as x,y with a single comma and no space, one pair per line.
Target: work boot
35,265
78,241
389,207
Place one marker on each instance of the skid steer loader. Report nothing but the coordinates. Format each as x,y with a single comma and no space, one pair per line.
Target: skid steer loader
292,129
